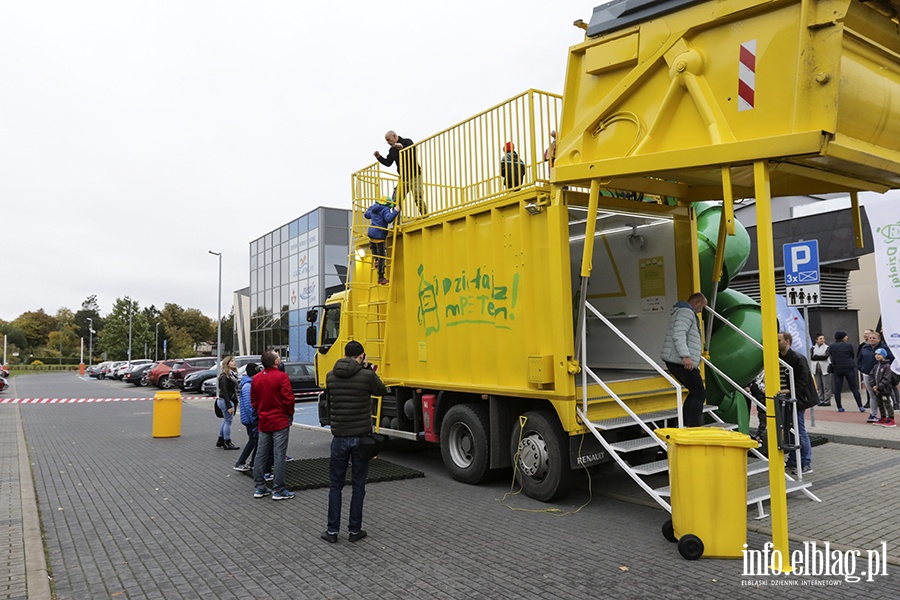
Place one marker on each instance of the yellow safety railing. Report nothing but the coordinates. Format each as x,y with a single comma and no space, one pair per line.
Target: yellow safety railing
461,165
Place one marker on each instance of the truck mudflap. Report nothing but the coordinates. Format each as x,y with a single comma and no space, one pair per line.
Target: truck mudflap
586,451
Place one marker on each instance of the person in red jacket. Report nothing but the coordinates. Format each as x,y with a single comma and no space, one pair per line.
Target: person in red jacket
273,399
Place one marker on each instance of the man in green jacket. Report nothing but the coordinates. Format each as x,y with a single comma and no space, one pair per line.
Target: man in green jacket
350,387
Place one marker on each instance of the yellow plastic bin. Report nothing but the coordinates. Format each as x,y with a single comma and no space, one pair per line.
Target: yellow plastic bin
708,482
167,414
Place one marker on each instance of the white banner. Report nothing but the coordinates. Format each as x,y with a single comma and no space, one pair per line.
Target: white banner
883,216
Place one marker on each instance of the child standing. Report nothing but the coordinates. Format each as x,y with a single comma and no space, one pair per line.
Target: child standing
882,382
381,214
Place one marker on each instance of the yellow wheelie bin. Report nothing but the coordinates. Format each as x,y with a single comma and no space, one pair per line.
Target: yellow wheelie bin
708,482
167,414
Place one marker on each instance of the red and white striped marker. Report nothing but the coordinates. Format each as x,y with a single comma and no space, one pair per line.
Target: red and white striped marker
82,400
747,76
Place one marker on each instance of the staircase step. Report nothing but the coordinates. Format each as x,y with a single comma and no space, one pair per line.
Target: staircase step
627,421
757,466
660,415
635,444
650,468
764,493
717,425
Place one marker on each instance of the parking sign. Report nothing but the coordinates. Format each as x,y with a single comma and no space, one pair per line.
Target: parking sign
801,263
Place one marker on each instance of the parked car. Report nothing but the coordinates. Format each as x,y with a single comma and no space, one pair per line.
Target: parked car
94,370
208,387
137,374
125,367
193,382
110,368
159,375
303,380
189,365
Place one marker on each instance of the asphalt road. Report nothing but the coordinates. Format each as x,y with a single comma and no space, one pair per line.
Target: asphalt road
129,516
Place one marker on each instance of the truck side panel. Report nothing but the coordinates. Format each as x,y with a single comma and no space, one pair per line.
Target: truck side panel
475,303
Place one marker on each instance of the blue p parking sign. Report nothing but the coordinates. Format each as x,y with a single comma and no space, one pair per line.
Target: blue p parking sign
801,263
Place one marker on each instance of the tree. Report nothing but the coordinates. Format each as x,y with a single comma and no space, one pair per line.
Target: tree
89,309
228,342
65,341
36,325
191,321
114,337
181,345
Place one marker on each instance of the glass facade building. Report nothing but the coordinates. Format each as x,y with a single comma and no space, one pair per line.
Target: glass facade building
291,269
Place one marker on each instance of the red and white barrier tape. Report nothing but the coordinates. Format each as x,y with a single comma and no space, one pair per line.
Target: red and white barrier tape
81,400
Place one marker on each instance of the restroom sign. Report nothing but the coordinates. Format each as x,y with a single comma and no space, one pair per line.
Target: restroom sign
801,263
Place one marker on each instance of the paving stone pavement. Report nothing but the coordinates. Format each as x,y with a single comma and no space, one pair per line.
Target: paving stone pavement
129,516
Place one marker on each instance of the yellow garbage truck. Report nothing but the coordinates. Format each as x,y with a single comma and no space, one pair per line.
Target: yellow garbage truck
519,321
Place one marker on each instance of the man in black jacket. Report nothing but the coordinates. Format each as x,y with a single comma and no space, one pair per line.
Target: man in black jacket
805,393
843,364
350,387
409,169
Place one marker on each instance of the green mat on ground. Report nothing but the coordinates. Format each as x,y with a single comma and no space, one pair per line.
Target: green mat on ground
311,473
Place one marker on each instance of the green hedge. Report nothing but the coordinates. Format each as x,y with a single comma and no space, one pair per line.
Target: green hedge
13,369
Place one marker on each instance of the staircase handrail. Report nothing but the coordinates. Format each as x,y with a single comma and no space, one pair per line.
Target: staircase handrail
638,351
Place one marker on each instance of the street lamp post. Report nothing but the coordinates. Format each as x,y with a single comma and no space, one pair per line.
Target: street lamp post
219,320
130,312
90,341
156,347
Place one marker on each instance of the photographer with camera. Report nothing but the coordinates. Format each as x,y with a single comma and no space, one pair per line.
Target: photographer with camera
350,387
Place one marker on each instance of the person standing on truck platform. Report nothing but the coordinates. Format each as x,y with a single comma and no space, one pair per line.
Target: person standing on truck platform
273,399
409,169
350,386
681,353
381,214
512,168
550,152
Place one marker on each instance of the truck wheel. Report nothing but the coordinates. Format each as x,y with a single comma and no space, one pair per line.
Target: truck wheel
464,443
540,452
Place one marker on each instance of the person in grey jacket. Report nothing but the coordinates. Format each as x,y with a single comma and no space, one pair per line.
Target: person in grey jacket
350,387
681,353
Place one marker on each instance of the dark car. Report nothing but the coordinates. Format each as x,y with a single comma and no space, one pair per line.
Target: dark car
185,366
303,380
136,375
193,382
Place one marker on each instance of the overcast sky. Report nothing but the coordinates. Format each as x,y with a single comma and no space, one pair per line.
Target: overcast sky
137,136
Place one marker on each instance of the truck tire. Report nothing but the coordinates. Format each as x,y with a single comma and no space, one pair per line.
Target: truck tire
540,452
464,443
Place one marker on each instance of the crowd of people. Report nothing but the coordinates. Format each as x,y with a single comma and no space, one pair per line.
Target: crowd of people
868,369
265,402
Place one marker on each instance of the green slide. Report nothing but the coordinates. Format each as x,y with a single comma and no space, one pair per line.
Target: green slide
736,356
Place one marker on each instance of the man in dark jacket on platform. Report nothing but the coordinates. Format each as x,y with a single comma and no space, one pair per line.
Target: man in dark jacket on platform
350,387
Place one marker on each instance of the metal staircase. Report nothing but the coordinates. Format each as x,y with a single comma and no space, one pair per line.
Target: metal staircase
628,452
